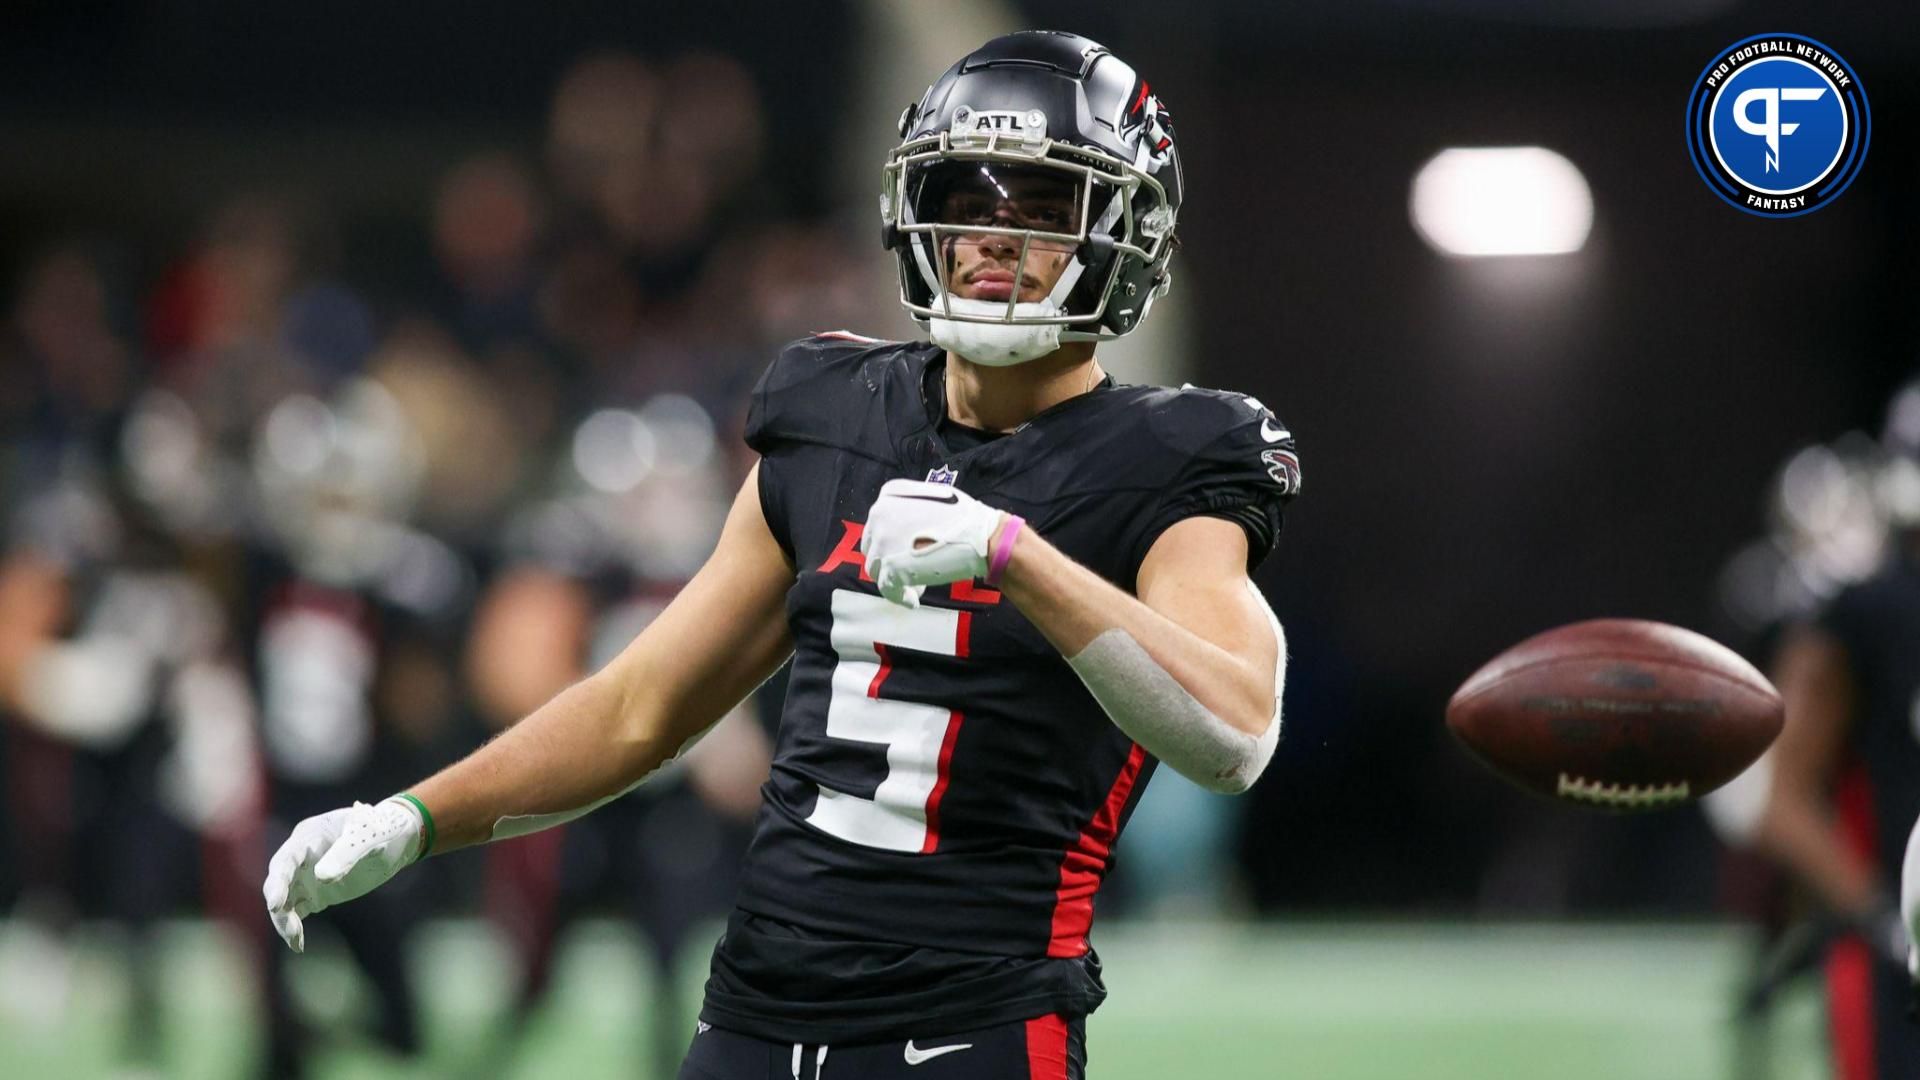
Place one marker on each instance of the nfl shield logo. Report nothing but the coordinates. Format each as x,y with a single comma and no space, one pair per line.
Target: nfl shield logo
942,475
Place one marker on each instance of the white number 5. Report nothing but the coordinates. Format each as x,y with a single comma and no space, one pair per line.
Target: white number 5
904,813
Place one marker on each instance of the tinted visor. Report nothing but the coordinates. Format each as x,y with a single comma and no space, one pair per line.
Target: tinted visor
998,194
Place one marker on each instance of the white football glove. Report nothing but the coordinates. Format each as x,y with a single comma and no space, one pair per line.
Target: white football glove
920,533
337,856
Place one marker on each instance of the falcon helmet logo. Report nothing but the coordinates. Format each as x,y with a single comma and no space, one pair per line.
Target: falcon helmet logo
1283,467
1158,136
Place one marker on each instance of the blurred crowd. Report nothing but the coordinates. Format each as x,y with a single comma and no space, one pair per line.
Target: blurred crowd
276,540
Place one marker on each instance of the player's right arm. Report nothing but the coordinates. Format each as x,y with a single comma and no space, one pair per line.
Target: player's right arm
722,636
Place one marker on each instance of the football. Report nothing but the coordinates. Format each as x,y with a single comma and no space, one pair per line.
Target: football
1621,714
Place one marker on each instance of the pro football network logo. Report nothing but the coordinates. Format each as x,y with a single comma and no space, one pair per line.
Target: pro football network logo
1778,125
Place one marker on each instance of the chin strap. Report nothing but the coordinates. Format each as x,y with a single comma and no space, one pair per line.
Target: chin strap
996,344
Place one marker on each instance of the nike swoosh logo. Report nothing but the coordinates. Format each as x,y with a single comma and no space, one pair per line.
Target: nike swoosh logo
1271,433
917,1056
933,498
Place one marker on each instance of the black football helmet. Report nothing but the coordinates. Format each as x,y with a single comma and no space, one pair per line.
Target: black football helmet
1040,104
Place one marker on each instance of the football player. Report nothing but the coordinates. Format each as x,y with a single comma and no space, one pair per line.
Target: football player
1843,784
1008,585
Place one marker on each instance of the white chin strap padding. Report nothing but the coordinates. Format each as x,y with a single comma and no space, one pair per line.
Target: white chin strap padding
996,344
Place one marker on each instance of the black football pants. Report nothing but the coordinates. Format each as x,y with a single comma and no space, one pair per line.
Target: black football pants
1045,1048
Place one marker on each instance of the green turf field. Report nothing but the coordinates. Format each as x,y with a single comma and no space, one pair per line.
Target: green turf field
1310,1001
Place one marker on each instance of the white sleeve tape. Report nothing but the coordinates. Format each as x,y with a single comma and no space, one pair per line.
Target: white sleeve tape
1154,710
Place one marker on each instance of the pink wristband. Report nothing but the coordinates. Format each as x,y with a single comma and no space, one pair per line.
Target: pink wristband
1003,551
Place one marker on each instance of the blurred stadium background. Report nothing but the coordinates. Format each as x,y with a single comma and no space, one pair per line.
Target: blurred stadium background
367,372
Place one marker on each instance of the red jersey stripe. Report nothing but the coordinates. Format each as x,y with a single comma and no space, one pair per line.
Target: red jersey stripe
1850,1004
1850,1012
1085,864
1047,1048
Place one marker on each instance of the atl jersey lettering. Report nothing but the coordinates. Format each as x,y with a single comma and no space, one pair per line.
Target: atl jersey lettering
946,794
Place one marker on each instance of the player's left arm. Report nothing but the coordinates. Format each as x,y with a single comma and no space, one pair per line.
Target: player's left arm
1191,667
1197,614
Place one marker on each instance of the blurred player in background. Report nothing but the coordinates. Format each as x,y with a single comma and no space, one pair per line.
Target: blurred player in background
1843,780
353,639
125,707
588,569
976,703
113,647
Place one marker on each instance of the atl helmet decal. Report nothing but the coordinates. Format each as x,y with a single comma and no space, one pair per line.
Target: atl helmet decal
1778,125
1029,125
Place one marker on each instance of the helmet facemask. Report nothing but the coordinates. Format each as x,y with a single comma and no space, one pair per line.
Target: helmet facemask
1059,217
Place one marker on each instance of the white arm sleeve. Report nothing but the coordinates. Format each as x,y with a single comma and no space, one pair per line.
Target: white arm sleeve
1154,710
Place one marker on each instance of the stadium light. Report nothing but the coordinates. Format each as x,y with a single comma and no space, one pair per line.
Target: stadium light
1510,200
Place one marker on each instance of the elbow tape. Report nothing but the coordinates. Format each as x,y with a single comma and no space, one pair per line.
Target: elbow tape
1154,710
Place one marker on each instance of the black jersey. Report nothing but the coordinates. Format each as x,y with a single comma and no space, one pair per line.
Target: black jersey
946,794
1877,623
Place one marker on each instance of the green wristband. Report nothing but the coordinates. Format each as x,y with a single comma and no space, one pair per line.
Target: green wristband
426,846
